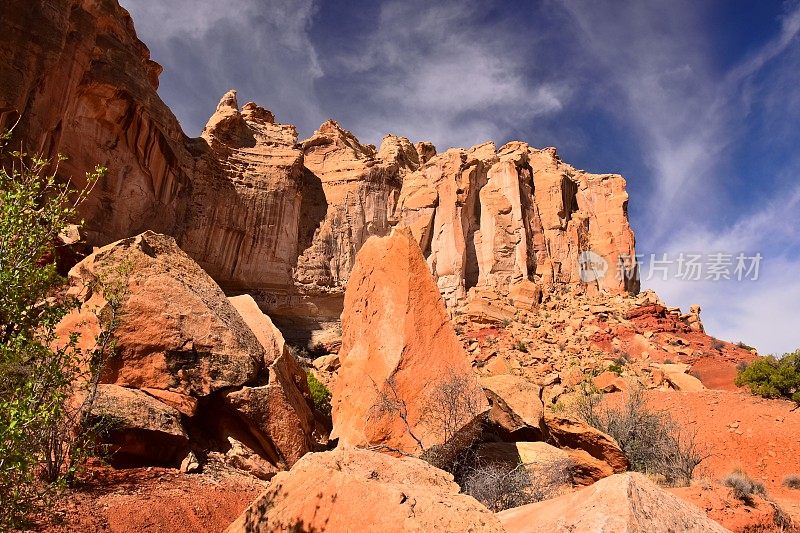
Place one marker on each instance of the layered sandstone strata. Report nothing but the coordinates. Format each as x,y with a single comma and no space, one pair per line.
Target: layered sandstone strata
282,219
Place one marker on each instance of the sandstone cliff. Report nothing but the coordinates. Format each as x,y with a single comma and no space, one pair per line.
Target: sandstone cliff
281,219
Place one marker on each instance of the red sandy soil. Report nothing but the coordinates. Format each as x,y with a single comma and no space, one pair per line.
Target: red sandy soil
720,505
153,500
741,431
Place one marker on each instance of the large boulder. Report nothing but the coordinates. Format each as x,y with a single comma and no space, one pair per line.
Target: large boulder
404,383
139,429
279,414
176,329
567,432
359,490
623,503
517,409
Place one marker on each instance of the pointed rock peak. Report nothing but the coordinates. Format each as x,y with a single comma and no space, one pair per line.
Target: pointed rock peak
331,132
253,112
228,101
425,150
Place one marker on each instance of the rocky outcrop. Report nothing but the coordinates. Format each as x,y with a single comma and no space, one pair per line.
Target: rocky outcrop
404,382
176,330
516,406
620,503
283,220
360,490
218,367
138,428
567,432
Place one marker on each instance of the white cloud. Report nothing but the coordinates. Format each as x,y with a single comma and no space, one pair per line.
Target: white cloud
436,74
261,48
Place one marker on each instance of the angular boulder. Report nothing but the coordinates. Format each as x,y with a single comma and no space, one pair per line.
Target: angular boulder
176,329
405,382
361,490
279,414
623,503
566,432
516,406
139,428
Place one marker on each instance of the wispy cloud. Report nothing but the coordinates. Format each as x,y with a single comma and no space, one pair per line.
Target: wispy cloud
260,47
436,72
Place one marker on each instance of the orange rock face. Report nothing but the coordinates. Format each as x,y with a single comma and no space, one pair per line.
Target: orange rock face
360,490
620,503
284,220
219,362
176,331
399,352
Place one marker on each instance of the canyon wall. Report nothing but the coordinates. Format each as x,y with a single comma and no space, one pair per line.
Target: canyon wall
283,219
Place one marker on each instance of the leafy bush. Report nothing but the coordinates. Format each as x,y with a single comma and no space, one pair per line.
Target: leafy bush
771,377
36,379
744,487
652,441
616,368
319,394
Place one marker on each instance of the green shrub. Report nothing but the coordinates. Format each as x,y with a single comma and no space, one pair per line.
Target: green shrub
771,377
35,379
616,368
521,346
319,394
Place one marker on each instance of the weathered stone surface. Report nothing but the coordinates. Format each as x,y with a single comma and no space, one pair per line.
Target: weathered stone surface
281,220
176,330
140,429
676,375
278,414
621,503
399,350
516,406
360,490
571,433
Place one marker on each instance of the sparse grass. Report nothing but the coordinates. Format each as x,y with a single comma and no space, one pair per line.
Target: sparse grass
506,322
669,362
717,345
744,487
792,481
616,368
740,344
521,346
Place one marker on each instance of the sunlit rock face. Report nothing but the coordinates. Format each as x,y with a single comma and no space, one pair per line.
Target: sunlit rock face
283,219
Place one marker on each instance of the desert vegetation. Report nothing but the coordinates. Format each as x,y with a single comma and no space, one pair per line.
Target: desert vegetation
46,387
653,442
773,377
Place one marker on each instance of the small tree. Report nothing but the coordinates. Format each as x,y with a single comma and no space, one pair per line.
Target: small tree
35,380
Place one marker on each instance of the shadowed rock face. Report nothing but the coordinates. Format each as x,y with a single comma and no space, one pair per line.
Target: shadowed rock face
282,219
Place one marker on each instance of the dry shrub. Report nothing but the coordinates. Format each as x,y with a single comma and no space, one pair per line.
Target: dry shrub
744,487
652,441
501,486
792,481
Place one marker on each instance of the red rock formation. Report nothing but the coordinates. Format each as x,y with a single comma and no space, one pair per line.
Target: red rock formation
190,350
399,351
360,490
284,221
621,503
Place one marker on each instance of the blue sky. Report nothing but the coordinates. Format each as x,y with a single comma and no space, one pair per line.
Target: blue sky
696,103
